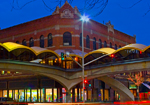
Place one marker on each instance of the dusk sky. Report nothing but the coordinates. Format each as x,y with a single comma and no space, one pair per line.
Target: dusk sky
125,19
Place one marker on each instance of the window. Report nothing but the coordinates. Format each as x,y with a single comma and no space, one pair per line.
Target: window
110,45
94,43
42,41
105,44
80,39
17,42
50,40
31,42
115,47
119,46
24,42
100,43
67,39
87,41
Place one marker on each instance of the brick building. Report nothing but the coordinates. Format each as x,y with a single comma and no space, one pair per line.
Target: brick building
62,30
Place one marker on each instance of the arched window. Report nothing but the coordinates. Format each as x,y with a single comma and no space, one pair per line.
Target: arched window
110,45
42,41
67,39
80,39
100,43
17,42
119,46
87,41
115,47
50,40
31,42
24,42
94,43
105,44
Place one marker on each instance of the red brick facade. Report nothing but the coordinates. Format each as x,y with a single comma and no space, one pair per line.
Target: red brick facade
65,19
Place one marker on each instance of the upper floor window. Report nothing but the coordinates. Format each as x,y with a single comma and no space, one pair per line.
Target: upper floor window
94,43
80,39
42,41
67,39
50,40
100,43
105,44
110,45
31,42
119,46
87,41
115,47
24,42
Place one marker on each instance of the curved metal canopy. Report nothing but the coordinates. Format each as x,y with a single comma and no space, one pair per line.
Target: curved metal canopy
102,50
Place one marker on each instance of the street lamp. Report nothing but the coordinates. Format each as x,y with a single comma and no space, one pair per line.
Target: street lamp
84,19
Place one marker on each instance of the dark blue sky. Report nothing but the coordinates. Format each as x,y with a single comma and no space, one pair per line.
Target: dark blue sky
128,20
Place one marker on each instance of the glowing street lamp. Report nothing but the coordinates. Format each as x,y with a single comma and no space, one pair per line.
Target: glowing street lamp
84,19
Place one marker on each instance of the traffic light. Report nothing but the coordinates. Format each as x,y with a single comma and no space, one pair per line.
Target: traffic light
62,56
112,55
89,85
85,81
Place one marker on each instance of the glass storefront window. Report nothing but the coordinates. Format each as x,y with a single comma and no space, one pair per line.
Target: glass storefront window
21,95
75,94
10,93
16,95
63,95
55,95
4,93
39,94
28,95
42,94
34,95
48,95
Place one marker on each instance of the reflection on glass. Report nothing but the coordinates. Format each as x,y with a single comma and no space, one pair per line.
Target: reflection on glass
16,95
48,95
55,95
13,94
10,93
63,95
34,95
42,94
28,95
4,93
21,95
75,94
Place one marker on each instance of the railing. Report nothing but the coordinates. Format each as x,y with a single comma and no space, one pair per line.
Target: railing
113,63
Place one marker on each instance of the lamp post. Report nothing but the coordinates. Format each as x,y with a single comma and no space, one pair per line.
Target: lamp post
83,18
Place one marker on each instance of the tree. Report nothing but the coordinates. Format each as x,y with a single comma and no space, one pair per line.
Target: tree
137,79
93,5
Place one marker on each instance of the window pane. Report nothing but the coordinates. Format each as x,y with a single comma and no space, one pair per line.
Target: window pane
34,95
21,95
4,93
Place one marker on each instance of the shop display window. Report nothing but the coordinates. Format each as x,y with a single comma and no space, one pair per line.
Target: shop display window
16,95
4,93
49,95
42,94
55,95
28,95
21,95
10,93
34,95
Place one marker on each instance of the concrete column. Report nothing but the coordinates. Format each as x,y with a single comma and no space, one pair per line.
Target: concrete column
68,96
